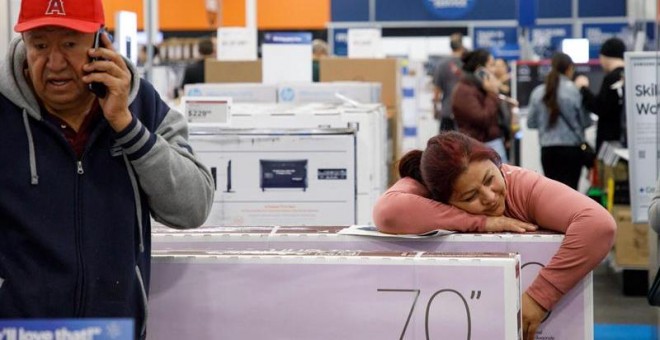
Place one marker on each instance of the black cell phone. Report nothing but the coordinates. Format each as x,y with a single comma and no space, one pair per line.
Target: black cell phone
99,89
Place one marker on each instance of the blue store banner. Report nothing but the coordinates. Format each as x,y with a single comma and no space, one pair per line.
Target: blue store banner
450,9
304,38
443,10
546,39
65,329
598,33
502,42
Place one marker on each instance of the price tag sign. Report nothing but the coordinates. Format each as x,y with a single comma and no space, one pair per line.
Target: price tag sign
237,43
207,111
364,43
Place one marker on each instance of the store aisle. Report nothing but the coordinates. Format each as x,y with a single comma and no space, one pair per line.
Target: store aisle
618,316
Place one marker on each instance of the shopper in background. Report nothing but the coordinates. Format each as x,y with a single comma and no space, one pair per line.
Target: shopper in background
555,109
608,103
194,73
446,75
501,72
457,183
155,55
319,50
81,172
476,105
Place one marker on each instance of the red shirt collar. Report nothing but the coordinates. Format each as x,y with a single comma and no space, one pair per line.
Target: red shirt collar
77,140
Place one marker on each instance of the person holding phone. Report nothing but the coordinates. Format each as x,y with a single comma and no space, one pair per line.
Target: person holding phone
81,175
477,110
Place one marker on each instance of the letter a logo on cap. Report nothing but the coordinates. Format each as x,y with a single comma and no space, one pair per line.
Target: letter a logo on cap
55,7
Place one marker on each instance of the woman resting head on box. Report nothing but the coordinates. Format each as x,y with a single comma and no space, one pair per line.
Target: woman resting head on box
458,183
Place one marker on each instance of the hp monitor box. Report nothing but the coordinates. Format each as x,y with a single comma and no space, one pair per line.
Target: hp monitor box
334,295
279,177
331,92
238,92
571,319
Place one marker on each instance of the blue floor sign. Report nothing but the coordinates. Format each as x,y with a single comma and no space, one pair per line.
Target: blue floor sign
67,329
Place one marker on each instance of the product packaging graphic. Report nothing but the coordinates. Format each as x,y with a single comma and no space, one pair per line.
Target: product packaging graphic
334,295
571,319
279,177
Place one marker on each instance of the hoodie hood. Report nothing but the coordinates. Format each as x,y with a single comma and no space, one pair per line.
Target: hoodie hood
17,89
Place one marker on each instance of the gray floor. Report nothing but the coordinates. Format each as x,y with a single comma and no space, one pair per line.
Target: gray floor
611,306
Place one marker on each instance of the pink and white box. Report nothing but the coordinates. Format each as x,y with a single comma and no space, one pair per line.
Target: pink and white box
571,319
334,295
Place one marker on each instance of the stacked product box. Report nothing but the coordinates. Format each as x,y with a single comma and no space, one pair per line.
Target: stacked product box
330,92
334,295
368,120
238,92
571,319
279,177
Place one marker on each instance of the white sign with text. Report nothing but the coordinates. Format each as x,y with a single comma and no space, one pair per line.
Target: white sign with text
641,86
236,43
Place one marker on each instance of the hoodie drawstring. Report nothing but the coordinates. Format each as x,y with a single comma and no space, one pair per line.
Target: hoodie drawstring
34,177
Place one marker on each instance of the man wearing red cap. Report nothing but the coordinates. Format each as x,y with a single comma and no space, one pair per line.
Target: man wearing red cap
81,174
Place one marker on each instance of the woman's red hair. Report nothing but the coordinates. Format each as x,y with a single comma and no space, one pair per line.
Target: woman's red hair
446,157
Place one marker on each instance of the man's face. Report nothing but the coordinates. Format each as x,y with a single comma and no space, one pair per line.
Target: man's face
55,58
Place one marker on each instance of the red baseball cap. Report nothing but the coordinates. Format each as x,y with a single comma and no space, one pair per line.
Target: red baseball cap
80,15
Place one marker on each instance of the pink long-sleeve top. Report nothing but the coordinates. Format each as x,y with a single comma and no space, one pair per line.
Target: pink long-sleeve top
589,229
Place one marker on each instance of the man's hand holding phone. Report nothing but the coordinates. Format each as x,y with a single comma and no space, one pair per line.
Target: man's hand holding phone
109,78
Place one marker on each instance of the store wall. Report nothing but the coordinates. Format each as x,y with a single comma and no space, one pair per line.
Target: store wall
192,15
293,14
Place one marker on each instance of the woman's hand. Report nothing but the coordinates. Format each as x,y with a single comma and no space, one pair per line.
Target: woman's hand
503,223
491,83
532,314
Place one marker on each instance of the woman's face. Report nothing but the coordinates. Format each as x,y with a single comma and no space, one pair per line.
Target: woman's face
480,189
490,65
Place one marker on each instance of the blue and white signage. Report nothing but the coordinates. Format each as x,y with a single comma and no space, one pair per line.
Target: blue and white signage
65,329
288,38
340,42
450,9
287,57
642,126
598,33
502,42
546,39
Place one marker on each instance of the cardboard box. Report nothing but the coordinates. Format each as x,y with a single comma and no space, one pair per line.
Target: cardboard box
232,71
631,248
384,71
368,120
334,295
238,92
283,177
572,318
